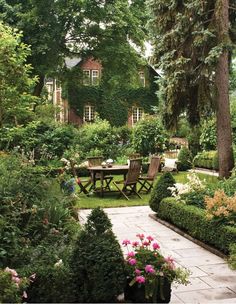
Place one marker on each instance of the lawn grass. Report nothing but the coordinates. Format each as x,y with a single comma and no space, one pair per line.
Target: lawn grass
112,200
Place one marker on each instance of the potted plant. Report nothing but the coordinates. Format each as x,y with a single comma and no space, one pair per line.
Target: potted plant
149,273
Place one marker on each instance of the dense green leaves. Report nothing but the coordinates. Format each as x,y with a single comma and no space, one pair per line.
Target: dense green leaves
15,80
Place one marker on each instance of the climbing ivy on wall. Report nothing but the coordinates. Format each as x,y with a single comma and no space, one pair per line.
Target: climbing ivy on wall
112,105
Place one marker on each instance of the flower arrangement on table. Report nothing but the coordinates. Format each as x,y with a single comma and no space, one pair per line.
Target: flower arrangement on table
147,267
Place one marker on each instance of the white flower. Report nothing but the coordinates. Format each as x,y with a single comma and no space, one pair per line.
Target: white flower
59,263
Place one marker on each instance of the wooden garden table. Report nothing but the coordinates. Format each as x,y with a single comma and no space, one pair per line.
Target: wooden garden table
102,171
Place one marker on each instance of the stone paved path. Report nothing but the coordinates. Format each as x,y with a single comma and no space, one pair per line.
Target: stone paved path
212,281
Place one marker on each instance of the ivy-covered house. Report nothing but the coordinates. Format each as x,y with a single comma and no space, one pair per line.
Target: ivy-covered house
86,90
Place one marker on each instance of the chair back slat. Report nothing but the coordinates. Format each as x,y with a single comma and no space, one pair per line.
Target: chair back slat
94,161
134,171
154,166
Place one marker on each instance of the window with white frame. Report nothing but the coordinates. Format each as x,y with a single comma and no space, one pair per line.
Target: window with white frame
89,113
142,78
95,77
137,114
86,77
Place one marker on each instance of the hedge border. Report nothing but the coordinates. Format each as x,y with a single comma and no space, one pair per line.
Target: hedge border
189,237
193,221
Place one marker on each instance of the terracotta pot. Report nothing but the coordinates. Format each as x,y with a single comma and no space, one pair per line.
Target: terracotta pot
136,292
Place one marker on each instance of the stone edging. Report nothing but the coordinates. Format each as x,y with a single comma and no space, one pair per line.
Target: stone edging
187,236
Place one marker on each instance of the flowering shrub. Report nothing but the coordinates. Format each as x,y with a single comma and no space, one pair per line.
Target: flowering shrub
12,286
221,207
193,192
146,265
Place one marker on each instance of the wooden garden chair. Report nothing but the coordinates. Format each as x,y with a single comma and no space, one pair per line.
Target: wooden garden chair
82,183
148,180
129,184
97,161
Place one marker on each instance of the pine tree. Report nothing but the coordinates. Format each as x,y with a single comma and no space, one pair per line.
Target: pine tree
192,39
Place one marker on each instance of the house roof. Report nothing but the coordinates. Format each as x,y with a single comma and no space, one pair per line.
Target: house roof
72,62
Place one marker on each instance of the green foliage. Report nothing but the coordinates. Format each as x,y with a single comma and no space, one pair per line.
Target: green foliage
15,80
52,282
149,136
208,135
33,211
232,258
185,51
229,185
197,197
97,262
10,292
206,159
97,137
160,190
38,140
193,220
184,159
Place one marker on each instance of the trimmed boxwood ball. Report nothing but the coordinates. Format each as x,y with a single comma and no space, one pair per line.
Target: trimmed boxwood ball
161,190
184,159
97,262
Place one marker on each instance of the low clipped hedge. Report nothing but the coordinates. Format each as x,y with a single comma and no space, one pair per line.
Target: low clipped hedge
207,159
192,220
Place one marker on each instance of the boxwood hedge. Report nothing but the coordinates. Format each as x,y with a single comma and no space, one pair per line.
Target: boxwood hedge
193,221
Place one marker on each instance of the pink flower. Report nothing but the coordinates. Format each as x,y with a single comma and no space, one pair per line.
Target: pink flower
132,261
141,236
169,259
140,279
131,254
135,244
12,271
150,238
126,242
16,280
146,243
149,269
137,272
155,246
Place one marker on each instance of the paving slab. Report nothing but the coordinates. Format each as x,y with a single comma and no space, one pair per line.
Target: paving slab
211,280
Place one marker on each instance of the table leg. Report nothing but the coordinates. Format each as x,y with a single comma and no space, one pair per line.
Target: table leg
102,183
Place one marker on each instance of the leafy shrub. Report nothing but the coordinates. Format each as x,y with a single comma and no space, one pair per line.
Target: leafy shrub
38,140
193,220
52,275
161,190
32,210
196,198
184,159
97,262
98,137
12,286
221,207
228,185
206,159
208,135
149,136
232,258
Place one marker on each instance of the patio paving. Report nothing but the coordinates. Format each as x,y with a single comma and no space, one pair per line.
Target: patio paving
212,281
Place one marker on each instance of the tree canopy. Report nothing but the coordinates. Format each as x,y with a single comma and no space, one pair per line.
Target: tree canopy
57,28
15,76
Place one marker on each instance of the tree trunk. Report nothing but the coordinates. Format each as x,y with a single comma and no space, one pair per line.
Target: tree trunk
223,119
39,86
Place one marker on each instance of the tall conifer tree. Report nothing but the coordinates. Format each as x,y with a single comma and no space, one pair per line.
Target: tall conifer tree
192,40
